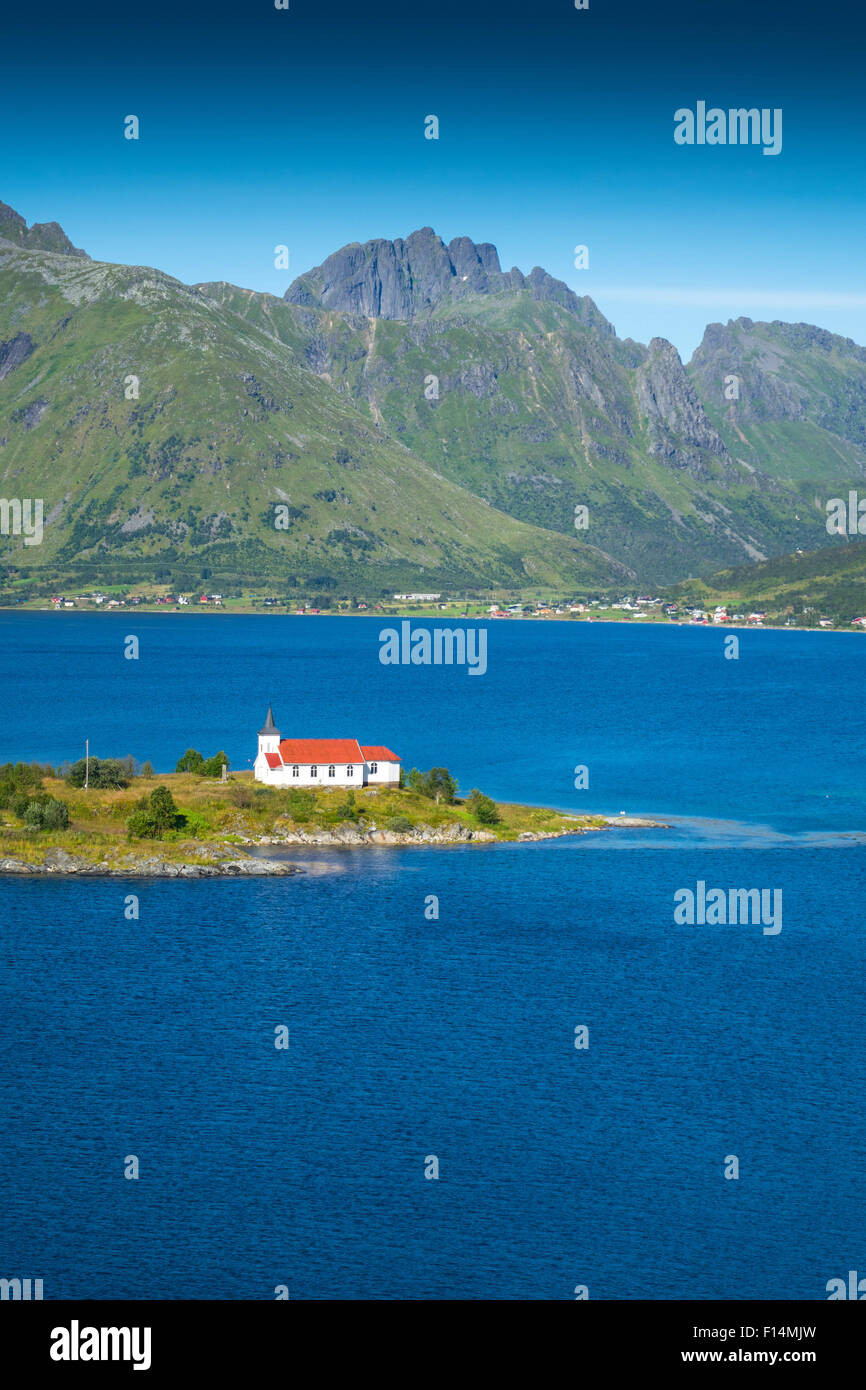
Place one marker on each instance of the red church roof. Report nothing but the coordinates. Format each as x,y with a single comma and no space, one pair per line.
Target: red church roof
320,750
376,754
273,760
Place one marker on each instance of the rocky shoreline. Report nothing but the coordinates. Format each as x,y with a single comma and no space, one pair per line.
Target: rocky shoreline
59,862
454,834
224,861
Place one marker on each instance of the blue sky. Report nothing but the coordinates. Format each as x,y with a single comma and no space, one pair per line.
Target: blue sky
305,127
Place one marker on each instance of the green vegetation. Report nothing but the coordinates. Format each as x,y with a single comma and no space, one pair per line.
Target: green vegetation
184,483
37,811
437,784
192,761
47,814
100,773
191,816
483,808
155,816
799,589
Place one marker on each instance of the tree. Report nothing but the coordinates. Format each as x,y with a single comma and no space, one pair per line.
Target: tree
437,784
18,779
49,814
214,766
147,770
104,773
55,815
162,808
483,807
154,816
192,761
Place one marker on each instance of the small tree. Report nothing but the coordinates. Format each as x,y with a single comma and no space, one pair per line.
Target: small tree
163,809
192,761
155,817
104,773
47,815
483,807
214,766
437,784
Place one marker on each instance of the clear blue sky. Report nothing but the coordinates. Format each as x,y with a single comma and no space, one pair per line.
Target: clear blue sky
305,127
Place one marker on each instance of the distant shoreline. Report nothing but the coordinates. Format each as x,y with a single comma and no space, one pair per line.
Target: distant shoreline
242,612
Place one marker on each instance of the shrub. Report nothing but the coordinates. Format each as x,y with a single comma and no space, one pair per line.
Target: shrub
141,825
301,804
400,823
195,825
483,807
55,815
241,796
17,779
163,809
105,773
147,770
347,810
49,814
158,815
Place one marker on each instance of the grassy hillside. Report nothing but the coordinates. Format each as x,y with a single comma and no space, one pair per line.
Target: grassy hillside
182,483
538,411
801,588
801,408
212,437
217,816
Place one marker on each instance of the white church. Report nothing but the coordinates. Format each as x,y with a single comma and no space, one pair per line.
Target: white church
322,762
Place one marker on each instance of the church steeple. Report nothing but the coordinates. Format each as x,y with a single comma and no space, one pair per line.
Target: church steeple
269,736
270,726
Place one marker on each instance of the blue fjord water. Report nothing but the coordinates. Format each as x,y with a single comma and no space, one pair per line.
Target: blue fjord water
409,1038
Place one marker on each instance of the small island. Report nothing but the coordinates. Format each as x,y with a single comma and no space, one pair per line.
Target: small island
202,822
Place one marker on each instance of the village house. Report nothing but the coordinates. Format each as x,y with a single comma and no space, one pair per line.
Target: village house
322,762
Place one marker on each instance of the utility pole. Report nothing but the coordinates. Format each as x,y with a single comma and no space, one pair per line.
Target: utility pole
86,763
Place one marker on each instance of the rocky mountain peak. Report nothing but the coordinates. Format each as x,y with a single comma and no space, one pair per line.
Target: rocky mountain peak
42,236
406,279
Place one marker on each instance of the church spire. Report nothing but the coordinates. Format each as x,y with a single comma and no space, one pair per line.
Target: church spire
270,726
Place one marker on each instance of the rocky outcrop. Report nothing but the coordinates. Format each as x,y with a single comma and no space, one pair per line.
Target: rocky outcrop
42,236
13,353
680,431
349,835
60,861
408,279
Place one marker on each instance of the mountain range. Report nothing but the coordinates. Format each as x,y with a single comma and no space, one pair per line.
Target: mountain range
408,415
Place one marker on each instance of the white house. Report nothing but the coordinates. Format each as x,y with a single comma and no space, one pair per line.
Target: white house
322,762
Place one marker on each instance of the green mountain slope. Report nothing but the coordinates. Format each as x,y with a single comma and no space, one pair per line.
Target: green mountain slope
423,418
538,406
802,587
183,481
801,407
